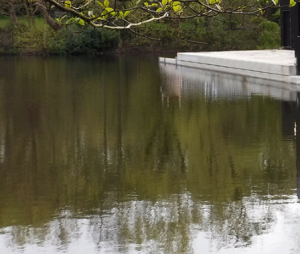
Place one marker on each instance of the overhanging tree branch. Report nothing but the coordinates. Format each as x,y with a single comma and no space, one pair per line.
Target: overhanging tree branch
102,15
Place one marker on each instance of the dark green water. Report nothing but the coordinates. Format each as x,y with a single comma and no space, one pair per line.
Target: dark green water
121,155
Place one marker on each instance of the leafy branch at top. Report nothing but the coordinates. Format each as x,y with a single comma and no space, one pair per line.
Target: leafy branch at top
126,15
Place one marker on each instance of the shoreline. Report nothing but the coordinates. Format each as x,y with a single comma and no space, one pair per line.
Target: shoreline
102,53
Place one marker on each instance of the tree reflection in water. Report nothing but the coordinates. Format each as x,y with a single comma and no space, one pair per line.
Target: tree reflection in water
117,154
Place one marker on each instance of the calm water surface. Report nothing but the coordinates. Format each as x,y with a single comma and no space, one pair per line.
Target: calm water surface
121,155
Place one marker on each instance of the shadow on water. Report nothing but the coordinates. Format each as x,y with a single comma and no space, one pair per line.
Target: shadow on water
120,154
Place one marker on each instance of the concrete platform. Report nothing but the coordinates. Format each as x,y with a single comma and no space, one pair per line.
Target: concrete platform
279,65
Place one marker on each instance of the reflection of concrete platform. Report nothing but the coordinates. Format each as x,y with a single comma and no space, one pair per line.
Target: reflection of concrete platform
214,84
276,65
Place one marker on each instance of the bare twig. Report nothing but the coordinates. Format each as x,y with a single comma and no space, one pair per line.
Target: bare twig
144,35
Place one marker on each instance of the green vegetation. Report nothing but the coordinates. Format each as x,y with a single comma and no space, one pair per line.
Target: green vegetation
212,34
217,33
42,39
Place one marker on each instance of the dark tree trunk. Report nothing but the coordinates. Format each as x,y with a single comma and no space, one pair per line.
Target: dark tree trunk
12,12
27,14
50,21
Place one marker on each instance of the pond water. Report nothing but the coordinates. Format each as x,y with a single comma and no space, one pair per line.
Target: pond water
123,155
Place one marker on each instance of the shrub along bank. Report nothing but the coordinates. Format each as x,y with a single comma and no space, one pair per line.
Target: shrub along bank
218,33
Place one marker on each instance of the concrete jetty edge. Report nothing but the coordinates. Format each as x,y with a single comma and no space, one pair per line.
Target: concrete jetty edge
279,65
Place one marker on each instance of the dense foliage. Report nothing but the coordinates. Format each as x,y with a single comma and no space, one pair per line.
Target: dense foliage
76,27
216,33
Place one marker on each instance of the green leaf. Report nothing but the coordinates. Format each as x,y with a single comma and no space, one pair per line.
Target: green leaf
121,14
68,4
154,5
126,13
100,4
177,8
292,3
106,3
81,22
159,9
70,20
146,4
103,14
109,9
214,1
176,3
164,2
